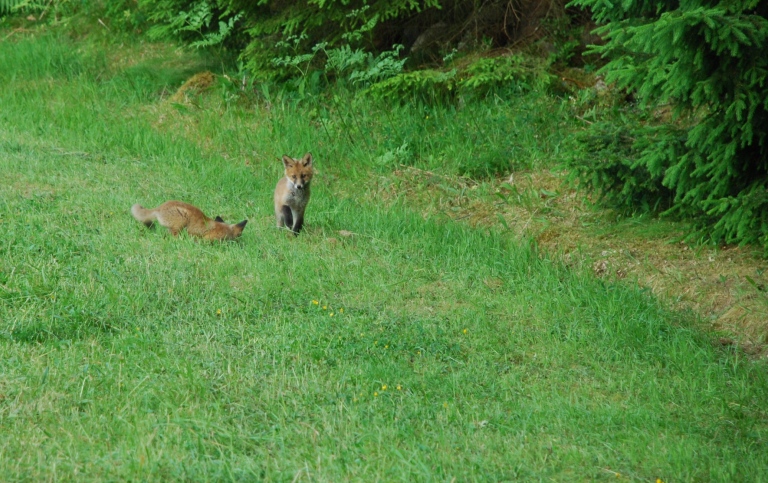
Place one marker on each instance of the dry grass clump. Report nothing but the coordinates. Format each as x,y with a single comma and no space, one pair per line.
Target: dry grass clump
198,83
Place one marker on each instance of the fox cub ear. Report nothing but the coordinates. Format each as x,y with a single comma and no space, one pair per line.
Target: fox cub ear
219,219
242,224
288,162
307,160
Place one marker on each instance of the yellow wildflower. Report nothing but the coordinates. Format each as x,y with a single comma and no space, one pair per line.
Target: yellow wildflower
315,302
384,387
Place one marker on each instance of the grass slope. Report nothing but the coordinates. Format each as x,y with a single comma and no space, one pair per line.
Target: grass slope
376,345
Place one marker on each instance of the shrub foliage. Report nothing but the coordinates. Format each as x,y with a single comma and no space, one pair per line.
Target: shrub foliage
704,62
427,29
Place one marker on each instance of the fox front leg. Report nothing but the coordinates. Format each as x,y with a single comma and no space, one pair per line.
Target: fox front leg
297,223
286,218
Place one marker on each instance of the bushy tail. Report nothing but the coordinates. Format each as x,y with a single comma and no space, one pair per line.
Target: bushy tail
143,215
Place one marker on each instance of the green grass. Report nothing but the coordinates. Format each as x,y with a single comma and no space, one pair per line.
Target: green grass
126,354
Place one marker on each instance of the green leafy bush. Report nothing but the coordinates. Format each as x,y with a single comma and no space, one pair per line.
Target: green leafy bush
507,73
262,32
705,61
430,85
199,22
343,65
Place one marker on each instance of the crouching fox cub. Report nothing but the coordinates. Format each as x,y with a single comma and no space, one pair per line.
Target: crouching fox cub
292,192
176,215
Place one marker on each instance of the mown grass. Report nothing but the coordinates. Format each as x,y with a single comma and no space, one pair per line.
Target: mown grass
434,351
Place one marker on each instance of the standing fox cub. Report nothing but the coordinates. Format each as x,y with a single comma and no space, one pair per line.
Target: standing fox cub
176,215
292,192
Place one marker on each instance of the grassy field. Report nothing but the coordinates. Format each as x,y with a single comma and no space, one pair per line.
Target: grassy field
378,345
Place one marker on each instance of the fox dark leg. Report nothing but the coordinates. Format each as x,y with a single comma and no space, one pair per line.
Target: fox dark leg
299,223
287,216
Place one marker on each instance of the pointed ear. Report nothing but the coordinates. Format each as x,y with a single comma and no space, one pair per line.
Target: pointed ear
242,224
219,219
288,162
307,160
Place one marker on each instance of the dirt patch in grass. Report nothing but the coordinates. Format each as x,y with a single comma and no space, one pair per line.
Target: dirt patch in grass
726,286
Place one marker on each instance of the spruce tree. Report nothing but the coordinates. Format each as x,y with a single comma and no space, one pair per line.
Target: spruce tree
708,62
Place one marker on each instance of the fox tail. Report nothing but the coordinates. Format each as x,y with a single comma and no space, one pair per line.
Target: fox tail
143,215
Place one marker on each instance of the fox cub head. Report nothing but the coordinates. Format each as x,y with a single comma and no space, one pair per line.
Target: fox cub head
225,231
299,171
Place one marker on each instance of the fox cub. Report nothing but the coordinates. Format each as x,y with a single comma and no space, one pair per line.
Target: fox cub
176,215
292,192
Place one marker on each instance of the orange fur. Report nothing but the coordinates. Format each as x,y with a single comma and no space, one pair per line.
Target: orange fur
177,215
